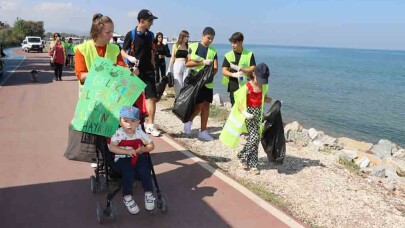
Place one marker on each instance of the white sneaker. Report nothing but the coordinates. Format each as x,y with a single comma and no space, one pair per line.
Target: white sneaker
149,201
150,129
205,136
131,206
187,127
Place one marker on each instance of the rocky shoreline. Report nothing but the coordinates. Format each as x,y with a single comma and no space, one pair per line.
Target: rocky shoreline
324,181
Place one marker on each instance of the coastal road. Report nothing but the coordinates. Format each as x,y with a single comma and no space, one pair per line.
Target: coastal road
40,188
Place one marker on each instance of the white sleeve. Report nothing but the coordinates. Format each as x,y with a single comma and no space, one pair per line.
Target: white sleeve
117,137
146,139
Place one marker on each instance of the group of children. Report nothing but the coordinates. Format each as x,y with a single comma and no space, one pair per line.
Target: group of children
130,143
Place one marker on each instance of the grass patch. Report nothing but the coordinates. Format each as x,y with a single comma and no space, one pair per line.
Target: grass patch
263,193
218,113
349,165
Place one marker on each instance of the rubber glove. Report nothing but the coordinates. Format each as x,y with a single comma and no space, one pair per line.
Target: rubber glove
238,74
207,61
247,115
135,70
235,67
133,60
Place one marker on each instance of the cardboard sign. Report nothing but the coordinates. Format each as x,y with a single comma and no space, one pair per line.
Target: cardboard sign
107,88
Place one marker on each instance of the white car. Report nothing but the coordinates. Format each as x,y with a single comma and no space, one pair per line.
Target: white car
32,43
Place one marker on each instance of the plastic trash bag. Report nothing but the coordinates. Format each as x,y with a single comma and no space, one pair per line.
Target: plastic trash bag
170,79
185,101
273,140
161,86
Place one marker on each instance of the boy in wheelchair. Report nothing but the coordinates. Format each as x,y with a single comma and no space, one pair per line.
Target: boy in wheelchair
128,144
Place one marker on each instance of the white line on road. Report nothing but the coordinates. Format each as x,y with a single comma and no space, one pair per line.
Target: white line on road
11,72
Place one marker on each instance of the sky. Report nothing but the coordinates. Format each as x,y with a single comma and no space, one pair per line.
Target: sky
365,24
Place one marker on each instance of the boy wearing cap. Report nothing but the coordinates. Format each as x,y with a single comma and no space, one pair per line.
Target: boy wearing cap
199,55
128,144
246,116
238,64
138,49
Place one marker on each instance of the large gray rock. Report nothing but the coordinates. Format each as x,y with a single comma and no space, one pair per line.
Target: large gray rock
383,148
378,171
313,134
294,126
349,155
363,162
352,144
400,154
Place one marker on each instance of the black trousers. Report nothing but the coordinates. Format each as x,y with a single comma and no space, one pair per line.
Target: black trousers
160,67
58,70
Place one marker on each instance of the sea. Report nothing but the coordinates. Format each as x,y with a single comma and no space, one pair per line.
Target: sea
353,93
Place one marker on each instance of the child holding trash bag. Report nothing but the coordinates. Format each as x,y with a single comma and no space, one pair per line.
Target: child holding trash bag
246,116
128,144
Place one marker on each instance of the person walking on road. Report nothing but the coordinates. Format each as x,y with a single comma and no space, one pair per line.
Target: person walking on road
199,55
130,157
238,64
70,52
138,49
162,51
57,53
177,63
247,112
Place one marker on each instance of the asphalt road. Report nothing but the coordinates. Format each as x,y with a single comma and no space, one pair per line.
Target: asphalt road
40,188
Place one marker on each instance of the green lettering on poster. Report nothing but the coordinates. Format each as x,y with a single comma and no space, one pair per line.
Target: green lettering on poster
107,88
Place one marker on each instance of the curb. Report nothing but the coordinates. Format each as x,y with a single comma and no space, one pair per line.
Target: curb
242,189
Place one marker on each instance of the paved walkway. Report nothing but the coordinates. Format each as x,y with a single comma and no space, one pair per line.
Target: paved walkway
40,188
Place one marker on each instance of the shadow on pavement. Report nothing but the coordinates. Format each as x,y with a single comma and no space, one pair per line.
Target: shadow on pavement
22,76
71,203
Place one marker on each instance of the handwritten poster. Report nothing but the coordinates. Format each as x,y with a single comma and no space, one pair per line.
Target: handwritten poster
107,88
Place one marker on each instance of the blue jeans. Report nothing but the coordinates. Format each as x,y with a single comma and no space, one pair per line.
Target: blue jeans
128,173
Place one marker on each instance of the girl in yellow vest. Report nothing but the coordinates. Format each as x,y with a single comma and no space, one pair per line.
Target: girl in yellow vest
101,32
247,113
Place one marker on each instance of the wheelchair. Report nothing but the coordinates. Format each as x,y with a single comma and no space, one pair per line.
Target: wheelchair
107,178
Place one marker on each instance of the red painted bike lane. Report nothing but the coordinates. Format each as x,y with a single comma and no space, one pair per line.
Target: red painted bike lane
40,188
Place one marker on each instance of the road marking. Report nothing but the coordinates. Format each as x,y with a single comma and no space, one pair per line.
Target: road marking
10,73
242,189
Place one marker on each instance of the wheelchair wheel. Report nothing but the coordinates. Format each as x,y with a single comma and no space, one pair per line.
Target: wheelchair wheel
100,213
93,184
102,183
112,211
162,205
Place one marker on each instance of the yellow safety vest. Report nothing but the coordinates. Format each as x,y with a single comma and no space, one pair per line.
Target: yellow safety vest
210,55
243,63
236,122
89,51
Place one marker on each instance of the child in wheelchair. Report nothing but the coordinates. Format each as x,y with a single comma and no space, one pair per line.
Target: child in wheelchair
129,143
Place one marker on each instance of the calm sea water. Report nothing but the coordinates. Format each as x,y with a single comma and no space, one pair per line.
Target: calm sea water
344,92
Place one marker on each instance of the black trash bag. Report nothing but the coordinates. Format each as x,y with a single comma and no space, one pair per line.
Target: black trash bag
170,79
273,140
185,101
161,86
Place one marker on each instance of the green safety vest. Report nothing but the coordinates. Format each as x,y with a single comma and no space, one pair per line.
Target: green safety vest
89,51
243,63
210,55
236,122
